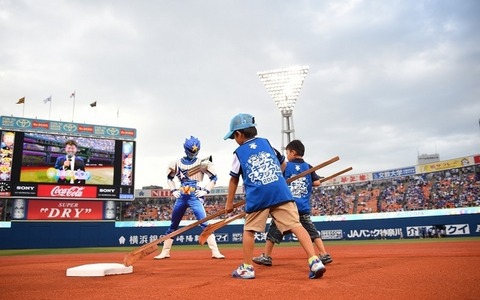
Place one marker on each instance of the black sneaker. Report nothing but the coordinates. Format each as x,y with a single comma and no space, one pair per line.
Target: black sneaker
263,260
326,258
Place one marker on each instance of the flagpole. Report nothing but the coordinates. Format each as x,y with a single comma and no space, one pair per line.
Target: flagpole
73,111
50,107
22,101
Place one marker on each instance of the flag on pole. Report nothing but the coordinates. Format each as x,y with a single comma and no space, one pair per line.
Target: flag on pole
21,100
72,95
49,99
93,104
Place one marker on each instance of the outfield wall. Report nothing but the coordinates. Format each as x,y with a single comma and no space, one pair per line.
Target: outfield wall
464,222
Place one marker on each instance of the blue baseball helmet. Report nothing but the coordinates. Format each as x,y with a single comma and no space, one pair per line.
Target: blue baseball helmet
240,121
191,146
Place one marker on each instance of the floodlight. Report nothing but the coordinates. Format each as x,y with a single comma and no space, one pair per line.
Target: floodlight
284,87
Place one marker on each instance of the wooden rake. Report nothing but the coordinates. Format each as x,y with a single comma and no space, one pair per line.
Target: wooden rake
139,253
198,167
214,226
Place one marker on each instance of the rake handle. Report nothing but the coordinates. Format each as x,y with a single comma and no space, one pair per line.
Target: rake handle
212,227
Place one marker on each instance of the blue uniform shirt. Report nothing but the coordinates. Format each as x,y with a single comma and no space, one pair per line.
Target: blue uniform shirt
259,164
301,188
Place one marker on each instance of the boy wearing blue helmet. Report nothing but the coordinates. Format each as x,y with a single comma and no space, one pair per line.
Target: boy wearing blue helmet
266,193
190,193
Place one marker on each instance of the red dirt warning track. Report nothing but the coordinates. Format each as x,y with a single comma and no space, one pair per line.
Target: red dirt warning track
422,270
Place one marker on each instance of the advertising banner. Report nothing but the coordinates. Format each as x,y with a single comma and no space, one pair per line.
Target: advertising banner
59,127
476,159
394,173
446,165
67,191
350,179
64,210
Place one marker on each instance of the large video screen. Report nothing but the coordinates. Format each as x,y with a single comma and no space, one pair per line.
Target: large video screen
63,159
43,165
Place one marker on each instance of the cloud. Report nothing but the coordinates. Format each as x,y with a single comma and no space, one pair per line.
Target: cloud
388,79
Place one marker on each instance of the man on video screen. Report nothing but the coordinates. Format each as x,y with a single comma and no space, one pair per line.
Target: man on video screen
71,167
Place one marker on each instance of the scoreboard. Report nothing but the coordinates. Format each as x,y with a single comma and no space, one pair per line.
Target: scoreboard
103,166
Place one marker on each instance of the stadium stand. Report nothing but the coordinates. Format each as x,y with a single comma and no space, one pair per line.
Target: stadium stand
452,188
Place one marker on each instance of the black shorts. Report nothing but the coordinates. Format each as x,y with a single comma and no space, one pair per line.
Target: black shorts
274,235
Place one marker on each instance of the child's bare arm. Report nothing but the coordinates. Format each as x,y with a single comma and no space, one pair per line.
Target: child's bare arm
232,188
283,165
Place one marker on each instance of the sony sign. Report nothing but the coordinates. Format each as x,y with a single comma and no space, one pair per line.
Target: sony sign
24,190
107,192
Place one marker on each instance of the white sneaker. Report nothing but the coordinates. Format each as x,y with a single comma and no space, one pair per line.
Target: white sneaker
217,255
244,273
163,255
167,245
316,269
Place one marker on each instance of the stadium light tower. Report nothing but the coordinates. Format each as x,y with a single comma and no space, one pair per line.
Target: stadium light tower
284,86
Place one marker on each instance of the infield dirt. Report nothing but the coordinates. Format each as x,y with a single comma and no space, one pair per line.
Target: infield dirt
420,270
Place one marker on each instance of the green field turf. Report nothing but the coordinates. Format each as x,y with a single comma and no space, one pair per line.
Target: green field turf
227,246
99,175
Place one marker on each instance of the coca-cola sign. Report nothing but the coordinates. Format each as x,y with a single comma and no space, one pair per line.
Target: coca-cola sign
70,192
67,191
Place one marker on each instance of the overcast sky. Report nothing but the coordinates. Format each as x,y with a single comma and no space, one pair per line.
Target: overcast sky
387,79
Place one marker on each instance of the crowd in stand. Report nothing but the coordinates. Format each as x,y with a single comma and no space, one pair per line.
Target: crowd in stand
453,188
161,209
444,189
91,143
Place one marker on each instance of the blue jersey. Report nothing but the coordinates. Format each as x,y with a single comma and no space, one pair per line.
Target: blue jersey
301,188
259,165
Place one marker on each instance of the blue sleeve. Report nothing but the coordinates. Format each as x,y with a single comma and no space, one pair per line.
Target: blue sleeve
314,175
58,163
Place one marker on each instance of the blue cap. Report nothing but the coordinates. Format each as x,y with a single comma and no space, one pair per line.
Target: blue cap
240,121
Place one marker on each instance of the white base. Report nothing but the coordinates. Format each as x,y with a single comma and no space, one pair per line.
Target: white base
100,269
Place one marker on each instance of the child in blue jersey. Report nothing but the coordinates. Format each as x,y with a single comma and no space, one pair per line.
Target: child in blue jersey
301,190
266,193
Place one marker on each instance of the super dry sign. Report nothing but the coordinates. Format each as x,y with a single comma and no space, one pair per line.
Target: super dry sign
64,210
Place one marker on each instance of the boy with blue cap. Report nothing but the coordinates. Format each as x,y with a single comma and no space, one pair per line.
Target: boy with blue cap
266,193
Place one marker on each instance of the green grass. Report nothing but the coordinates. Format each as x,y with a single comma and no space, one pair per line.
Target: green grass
99,175
403,241
14,252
